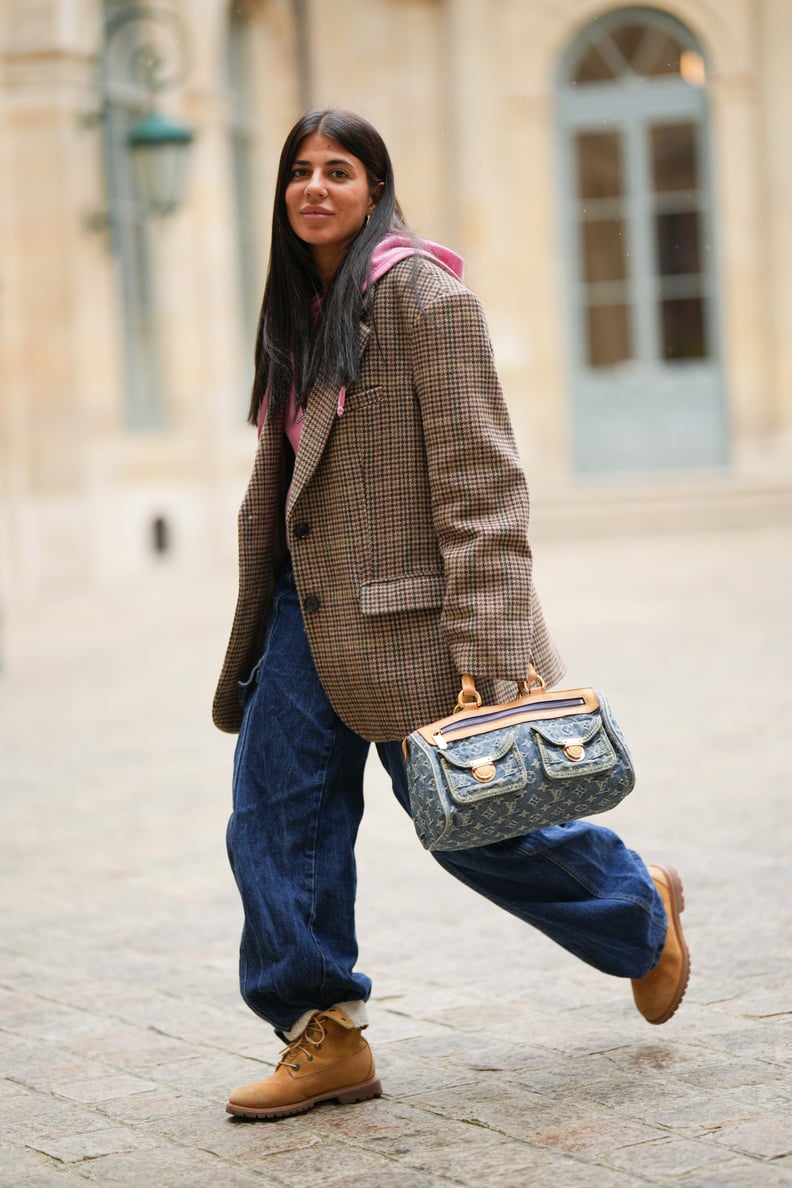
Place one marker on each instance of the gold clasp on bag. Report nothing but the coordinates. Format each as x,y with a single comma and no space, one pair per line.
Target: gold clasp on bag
574,750
484,771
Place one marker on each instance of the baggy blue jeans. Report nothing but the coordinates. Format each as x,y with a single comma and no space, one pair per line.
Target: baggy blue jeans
297,805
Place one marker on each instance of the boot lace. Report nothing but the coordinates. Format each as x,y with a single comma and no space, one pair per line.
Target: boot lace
313,1036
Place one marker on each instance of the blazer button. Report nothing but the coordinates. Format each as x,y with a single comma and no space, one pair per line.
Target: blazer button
302,530
311,604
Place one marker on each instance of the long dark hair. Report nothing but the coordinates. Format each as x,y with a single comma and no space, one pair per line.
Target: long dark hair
288,347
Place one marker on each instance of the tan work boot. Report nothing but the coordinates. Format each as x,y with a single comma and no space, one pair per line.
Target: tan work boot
658,994
329,1061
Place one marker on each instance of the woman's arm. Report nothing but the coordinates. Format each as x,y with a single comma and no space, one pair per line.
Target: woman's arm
478,488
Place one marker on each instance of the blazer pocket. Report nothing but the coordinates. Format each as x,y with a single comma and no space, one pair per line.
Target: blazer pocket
420,591
361,397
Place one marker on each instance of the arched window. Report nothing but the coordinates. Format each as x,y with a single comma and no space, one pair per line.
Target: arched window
638,222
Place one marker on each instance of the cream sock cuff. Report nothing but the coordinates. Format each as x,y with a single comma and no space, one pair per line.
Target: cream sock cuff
356,1010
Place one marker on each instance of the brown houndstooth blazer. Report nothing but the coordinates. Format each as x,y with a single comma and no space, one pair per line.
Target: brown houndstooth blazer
407,523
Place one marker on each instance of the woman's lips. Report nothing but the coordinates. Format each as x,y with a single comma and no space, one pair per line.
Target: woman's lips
313,212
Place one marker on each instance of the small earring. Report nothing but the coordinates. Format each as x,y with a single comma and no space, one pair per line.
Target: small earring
367,220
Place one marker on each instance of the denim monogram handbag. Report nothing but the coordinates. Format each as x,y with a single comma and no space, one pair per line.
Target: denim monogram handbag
490,772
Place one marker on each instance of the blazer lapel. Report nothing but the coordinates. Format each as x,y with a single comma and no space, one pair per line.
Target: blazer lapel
320,415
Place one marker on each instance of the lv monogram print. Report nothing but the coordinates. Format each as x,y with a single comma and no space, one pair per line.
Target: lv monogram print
512,780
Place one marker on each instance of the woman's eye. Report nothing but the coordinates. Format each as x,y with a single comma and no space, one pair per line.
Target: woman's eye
298,171
338,174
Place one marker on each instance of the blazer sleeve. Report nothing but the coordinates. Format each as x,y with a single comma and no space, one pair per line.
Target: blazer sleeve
478,489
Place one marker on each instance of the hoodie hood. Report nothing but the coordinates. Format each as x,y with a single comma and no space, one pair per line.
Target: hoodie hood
397,246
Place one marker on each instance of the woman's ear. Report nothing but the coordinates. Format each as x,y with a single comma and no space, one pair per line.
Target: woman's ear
376,194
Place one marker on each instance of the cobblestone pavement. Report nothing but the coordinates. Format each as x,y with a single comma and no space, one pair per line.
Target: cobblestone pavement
504,1061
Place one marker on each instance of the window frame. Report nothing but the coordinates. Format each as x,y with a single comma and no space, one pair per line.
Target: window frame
631,106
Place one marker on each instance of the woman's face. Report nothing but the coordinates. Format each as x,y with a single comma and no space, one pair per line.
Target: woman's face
327,199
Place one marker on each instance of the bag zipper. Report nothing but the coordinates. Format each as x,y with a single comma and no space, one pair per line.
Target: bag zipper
484,719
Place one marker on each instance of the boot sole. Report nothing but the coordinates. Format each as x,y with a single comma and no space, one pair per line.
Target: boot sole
677,907
350,1094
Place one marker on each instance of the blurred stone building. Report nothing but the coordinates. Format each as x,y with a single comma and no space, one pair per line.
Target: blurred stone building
618,178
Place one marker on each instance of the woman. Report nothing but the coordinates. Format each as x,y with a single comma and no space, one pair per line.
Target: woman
383,552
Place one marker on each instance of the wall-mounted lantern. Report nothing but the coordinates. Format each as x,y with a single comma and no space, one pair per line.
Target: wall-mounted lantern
159,148
143,53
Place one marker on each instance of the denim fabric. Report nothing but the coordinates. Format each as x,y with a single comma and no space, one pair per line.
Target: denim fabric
298,801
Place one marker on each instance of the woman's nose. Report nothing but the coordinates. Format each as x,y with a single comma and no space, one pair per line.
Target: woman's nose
315,184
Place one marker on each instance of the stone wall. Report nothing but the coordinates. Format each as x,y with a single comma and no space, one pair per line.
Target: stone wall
463,91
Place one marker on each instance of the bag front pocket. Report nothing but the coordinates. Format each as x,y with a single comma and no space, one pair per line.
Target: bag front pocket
481,768
572,747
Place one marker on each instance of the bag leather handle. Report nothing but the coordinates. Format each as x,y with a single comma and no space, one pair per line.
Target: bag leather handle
469,696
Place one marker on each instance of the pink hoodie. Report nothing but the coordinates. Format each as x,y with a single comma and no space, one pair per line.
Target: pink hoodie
391,249
396,246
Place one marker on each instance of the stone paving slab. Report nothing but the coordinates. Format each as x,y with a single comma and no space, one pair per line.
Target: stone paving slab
504,1061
